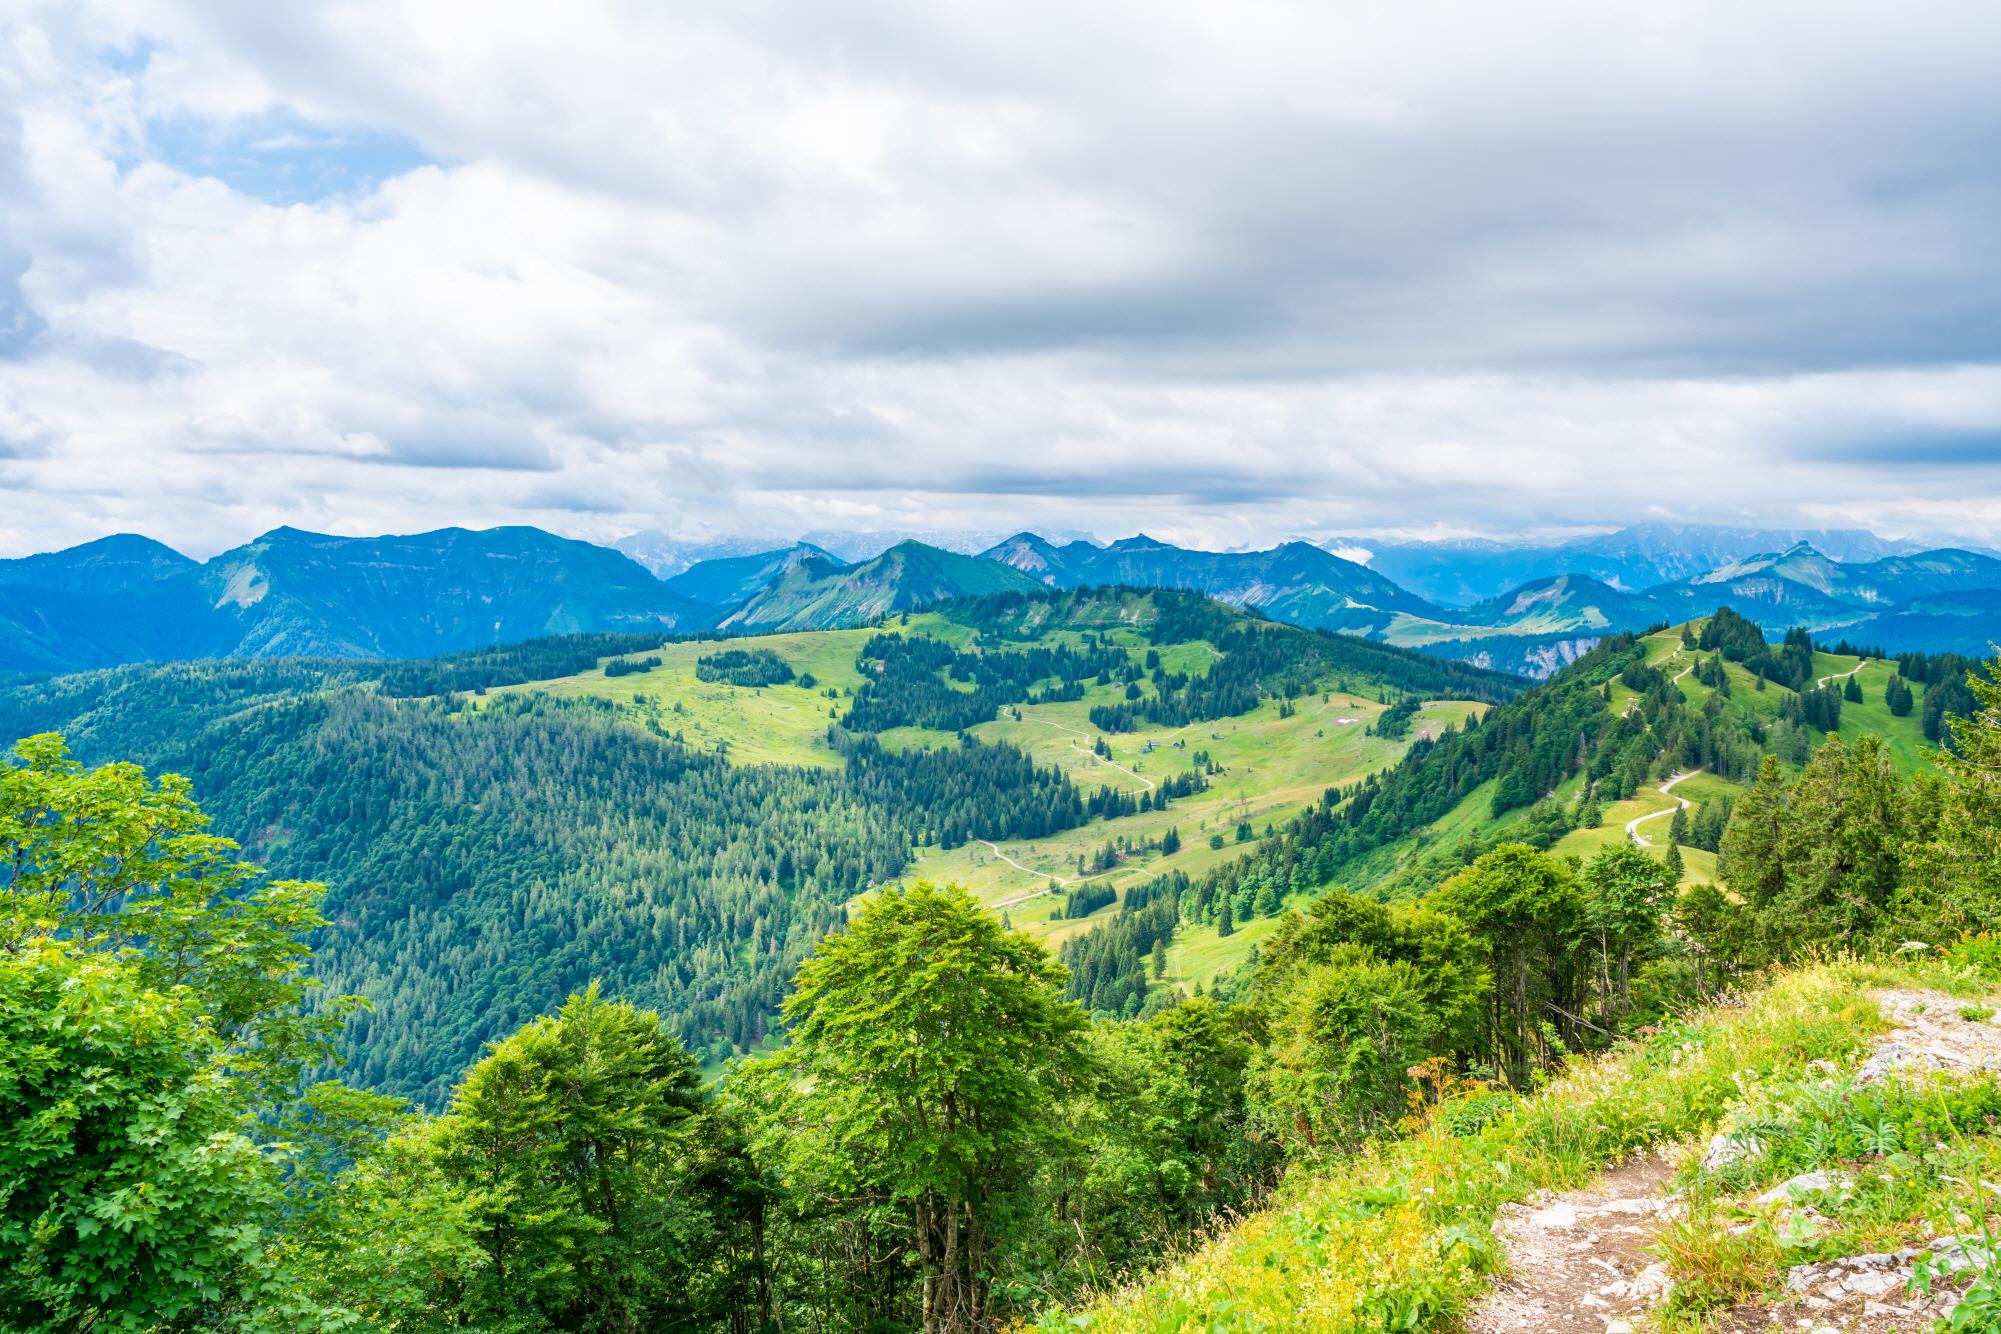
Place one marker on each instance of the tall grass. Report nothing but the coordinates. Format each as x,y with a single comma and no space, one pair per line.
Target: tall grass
1400,1237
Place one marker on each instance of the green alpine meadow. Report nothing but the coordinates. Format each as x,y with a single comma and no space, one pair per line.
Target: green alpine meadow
1000,668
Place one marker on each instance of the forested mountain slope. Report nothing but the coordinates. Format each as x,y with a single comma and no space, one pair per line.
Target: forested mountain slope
1573,766
936,1138
731,581
683,821
934,1135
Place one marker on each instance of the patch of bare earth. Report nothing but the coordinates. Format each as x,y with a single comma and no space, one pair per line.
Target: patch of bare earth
1578,1263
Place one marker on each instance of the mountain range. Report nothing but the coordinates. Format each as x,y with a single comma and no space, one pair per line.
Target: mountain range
127,598
1295,582
667,555
290,593
1464,572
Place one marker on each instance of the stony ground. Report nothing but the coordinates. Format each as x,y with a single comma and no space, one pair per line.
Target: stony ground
1579,1262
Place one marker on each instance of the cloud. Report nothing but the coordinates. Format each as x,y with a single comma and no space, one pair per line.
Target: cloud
1227,273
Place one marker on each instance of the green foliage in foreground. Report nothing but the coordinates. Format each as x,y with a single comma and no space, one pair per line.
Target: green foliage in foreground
944,1143
929,1054
1401,1237
150,994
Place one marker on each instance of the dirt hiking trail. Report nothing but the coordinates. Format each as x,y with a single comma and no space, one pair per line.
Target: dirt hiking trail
1579,1262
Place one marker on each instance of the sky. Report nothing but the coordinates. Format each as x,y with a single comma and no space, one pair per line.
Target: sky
1217,272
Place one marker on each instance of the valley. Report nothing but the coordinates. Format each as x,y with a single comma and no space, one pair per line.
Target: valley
711,831
1267,763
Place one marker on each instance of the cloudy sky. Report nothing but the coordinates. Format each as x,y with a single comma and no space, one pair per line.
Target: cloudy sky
1217,271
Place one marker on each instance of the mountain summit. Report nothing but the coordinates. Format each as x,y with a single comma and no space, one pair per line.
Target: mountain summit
822,595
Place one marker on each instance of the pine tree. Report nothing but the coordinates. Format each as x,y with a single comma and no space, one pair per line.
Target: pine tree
1749,857
1959,866
1674,866
1898,698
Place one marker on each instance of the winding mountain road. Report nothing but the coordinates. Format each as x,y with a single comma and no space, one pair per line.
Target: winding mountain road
1667,790
1838,676
1634,703
1086,750
1060,882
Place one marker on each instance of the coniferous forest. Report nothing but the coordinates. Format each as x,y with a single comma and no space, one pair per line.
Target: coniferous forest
511,1010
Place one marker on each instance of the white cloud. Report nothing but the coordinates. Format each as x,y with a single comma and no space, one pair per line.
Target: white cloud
1221,272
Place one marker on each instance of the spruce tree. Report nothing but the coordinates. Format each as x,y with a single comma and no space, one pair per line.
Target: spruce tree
1956,885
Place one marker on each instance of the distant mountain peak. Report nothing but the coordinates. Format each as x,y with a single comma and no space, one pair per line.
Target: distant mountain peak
126,545
1140,542
284,532
911,575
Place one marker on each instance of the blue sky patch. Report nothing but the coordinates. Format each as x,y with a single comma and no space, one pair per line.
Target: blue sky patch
282,158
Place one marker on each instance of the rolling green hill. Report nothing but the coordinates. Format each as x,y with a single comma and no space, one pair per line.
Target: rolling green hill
503,826
1606,751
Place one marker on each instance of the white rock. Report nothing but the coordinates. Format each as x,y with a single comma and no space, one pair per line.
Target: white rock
1805,1183
1876,1282
1728,1150
1560,1215
1651,1285
1890,1057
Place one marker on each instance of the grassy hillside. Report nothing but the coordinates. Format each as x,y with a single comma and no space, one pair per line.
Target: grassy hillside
1750,715
1401,1237
784,724
1269,762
